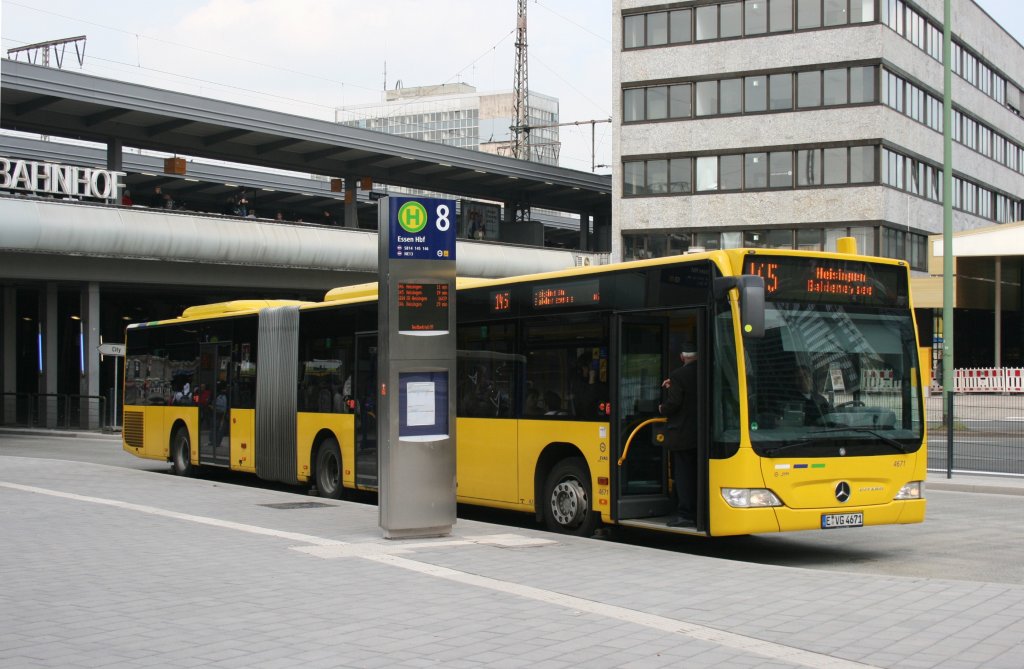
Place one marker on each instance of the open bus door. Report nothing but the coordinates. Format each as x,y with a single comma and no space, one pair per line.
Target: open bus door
644,497
214,395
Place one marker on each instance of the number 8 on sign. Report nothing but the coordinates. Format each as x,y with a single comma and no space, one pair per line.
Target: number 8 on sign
442,222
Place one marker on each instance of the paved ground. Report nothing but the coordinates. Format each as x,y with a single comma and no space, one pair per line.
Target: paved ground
111,566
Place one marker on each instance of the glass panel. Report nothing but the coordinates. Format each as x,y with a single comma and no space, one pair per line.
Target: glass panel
657,102
835,87
862,84
781,91
732,240
707,240
633,31
865,240
835,12
780,15
862,11
754,239
679,175
832,236
808,89
731,172
707,22
707,173
808,167
707,98
755,94
835,166
755,17
633,104
633,178
731,20
730,93
679,26
755,173
657,29
679,101
862,164
808,240
657,177
780,172
808,14
778,239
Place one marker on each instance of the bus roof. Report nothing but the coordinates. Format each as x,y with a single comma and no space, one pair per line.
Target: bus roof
235,307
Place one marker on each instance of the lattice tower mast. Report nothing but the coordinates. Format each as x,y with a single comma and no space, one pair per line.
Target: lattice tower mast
520,90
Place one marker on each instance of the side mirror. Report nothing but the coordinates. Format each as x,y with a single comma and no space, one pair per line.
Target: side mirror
751,289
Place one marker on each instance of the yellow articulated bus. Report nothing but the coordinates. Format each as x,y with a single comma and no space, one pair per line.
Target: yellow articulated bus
559,378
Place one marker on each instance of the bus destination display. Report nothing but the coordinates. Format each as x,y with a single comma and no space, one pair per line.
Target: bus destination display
827,280
423,308
567,294
501,301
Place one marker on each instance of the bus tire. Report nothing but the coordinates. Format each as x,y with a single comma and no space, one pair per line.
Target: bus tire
567,499
181,452
328,469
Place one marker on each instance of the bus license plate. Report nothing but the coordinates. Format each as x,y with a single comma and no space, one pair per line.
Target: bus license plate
830,520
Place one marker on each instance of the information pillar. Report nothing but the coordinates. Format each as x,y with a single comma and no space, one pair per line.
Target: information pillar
416,367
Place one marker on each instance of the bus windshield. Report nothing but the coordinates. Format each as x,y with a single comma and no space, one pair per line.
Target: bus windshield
833,379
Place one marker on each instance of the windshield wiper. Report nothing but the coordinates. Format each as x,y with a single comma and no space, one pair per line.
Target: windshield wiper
888,441
786,445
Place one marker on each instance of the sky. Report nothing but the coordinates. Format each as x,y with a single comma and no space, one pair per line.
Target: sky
309,57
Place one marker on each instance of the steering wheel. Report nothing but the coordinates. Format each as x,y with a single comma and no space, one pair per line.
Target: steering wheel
851,403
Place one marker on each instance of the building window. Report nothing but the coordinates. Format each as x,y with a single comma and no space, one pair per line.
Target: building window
808,167
730,96
780,16
633,31
707,22
808,89
657,102
780,170
862,84
707,173
633,104
862,164
633,178
730,172
657,177
679,29
835,166
755,174
808,239
731,20
755,94
781,95
808,14
680,179
679,101
835,12
657,29
835,86
755,17
707,98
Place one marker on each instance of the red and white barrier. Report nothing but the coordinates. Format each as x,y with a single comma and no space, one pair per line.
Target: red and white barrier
989,380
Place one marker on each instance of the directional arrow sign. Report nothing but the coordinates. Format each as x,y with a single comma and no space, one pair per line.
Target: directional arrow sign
116,350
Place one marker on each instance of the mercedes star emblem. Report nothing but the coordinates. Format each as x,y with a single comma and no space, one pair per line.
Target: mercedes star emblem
842,491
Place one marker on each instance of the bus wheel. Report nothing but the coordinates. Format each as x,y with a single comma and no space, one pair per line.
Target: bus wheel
567,499
328,470
181,453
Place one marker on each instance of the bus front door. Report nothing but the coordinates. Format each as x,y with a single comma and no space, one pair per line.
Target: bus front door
214,403
365,394
642,480
644,496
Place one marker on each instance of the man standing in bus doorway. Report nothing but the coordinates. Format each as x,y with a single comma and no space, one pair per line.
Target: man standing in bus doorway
680,408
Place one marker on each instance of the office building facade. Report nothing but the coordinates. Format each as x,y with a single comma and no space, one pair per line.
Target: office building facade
791,123
458,115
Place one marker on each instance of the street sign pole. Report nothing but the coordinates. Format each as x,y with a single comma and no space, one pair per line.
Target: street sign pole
416,366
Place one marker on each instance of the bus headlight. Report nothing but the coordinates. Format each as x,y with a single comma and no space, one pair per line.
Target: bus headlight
912,490
747,498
